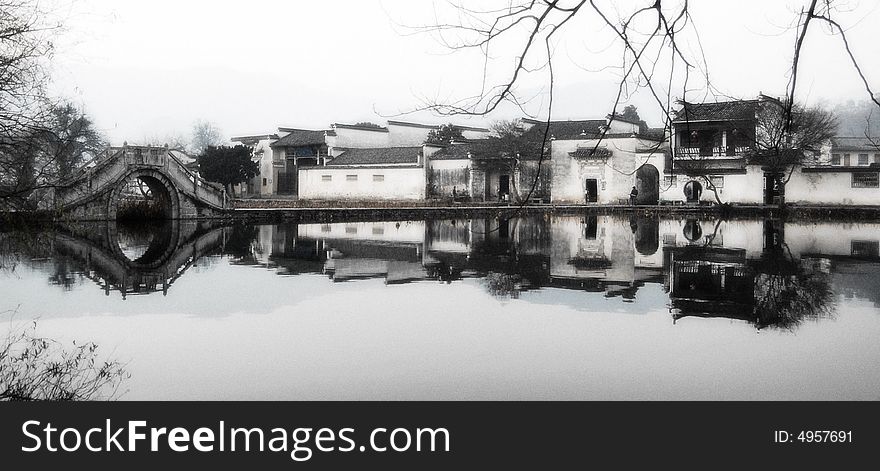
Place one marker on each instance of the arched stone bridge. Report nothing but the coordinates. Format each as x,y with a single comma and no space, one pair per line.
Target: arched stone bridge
94,192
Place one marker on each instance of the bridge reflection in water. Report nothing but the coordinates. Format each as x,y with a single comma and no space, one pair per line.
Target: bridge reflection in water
136,258
767,273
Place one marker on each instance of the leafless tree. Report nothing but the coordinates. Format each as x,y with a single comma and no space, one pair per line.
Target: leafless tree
650,35
204,134
41,139
789,136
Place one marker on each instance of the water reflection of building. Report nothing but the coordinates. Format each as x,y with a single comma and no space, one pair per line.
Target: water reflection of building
764,272
605,253
769,273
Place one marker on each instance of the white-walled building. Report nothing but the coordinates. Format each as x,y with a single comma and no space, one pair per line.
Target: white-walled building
387,173
848,174
281,156
600,161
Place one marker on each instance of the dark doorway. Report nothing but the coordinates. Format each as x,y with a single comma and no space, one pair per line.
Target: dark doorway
592,190
504,186
692,191
504,228
774,189
287,182
648,184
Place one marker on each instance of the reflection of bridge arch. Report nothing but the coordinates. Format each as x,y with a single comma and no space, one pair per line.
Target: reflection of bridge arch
163,243
94,192
174,247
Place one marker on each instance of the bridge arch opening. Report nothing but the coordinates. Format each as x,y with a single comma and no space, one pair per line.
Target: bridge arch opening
145,195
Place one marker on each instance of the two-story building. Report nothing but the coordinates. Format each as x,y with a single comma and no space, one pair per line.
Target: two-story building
711,144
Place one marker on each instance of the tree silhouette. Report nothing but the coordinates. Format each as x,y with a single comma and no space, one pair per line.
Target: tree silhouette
227,165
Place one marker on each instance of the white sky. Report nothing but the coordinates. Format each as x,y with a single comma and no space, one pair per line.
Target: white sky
149,69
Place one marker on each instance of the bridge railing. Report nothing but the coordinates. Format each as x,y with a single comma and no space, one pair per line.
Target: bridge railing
108,169
190,181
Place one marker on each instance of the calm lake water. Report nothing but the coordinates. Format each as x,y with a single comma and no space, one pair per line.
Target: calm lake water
539,307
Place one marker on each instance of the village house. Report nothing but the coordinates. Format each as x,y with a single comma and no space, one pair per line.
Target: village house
601,161
715,159
588,161
711,144
848,174
282,155
384,173
470,170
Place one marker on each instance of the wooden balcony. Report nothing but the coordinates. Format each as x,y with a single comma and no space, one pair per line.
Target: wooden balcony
711,152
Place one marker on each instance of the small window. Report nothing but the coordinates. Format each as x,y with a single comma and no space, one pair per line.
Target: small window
326,178
865,180
846,160
351,229
877,158
265,182
717,182
378,230
378,178
835,159
670,239
325,227
670,181
863,159
351,178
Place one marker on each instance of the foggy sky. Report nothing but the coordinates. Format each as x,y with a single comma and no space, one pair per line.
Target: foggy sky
149,69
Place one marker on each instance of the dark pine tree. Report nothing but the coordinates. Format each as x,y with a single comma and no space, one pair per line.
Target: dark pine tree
227,165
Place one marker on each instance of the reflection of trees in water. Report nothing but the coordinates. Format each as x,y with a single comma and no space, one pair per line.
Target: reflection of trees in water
18,245
775,291
65,273
241,243
506,285
34,368
787,292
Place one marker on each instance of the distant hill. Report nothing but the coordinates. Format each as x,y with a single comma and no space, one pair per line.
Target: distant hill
854,117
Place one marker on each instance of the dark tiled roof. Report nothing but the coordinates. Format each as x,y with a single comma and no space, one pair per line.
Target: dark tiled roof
590,153
300,137
568,129
453,152
855,143
378,156
723,111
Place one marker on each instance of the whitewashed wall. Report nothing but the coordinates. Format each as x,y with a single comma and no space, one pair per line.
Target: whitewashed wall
745,188
828,238
407,136
616,177
400,183
359,139
389,231
828,188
